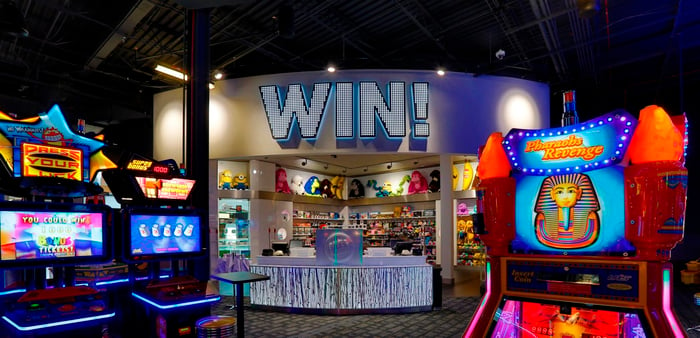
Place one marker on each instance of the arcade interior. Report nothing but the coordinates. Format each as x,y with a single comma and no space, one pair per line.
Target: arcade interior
177,168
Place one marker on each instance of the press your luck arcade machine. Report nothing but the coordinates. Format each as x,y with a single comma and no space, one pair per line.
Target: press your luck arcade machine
158,225
45,167
579,222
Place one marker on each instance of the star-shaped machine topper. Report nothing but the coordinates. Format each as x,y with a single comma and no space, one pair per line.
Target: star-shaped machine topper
42,156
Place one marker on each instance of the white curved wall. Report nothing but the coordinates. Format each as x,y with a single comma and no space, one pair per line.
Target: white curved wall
462,111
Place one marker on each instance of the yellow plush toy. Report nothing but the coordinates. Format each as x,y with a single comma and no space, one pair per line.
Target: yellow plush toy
225,180
240,181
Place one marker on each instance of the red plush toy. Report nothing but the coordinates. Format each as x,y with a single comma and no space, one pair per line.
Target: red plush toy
418,183
281,184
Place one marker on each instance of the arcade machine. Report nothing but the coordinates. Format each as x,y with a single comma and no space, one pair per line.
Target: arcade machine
44,167
157,225
579,222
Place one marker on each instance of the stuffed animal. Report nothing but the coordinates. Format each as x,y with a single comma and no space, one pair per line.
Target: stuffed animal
468,176
226,180
240,181
383,191
281,184
399,191
418,183
298,185
455,177
434,185
313,186
357,190
462,209
326,188
337,185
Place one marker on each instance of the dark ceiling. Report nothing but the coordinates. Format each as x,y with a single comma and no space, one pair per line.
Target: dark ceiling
96,58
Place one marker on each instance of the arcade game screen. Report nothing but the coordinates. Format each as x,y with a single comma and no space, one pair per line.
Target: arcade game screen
28,235
520,318
152,234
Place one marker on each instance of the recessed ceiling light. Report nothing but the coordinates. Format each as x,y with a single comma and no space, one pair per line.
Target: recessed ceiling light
218,75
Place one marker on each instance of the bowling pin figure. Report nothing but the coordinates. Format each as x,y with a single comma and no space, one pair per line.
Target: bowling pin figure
155,231
178,230
166,231
188,230
143,231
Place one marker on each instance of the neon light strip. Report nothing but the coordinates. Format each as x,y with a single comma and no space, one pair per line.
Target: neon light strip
12,291
165,307
477,315
54,324
666,303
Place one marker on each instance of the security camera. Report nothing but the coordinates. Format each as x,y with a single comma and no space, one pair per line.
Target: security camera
500,54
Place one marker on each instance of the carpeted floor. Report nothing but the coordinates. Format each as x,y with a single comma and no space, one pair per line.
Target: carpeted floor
448,321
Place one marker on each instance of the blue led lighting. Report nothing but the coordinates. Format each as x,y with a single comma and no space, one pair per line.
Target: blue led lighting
9,292
59,323
177,305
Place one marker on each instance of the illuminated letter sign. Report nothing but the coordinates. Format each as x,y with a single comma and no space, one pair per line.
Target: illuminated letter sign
594,144
50,161
140,165
372,107
308,117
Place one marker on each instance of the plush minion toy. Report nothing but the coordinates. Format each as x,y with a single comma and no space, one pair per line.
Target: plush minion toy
240,181
225,180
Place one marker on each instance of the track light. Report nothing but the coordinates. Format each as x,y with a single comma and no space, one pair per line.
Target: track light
388,166
331,69
365,169
171,72
211,85
303,163
441,71
325,166
345,170
218,75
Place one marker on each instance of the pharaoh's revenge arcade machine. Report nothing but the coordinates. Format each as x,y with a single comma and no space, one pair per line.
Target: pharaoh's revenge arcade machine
579,222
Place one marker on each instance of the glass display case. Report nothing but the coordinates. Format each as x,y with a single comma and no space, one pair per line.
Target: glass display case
470,251
234,235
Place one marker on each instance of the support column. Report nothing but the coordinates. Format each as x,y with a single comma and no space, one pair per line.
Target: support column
447,246
197,118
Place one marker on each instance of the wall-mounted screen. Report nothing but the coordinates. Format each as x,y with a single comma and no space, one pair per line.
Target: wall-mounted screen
161,233
31,235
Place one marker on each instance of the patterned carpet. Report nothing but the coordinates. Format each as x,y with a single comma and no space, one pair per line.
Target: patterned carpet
448,321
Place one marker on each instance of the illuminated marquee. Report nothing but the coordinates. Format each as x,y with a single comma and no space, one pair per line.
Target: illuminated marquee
50,161
172,189
372,107
594,144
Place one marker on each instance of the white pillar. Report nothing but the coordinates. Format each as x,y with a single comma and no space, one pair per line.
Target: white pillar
446,228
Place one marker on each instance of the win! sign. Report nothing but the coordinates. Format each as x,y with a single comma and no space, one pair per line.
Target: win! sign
360,109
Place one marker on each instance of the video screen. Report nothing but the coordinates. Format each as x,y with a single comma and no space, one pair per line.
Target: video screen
170,189
46,235
542,320
152,234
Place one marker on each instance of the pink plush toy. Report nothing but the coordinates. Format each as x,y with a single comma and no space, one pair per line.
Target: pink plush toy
418,183
281,184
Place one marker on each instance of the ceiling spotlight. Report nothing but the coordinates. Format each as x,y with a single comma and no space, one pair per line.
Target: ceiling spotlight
303,163
365,169
388,166
415,162
441,72
325,166
345,170
211,85
218,75
331,69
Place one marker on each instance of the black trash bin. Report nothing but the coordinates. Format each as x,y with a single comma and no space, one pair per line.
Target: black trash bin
437,287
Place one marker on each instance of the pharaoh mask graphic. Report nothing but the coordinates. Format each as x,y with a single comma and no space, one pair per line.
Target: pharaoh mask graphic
567,212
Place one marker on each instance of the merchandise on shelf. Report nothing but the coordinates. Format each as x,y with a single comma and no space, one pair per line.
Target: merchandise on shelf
234,236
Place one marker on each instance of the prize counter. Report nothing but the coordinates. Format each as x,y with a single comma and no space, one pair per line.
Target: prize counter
340,280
